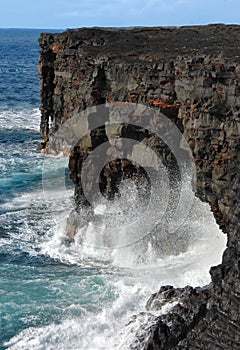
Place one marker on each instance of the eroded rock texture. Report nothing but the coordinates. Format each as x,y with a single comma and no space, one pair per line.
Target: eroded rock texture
192,74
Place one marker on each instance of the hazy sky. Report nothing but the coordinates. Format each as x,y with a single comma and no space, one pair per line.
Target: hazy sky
78,13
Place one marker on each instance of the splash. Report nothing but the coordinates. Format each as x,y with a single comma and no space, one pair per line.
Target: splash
114,236
102,314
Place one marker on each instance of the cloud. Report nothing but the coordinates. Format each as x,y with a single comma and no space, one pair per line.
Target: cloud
114,6
78,13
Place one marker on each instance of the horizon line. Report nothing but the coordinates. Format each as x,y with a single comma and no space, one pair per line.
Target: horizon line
119,26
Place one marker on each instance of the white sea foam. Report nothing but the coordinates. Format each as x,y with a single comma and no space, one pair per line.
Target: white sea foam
133,283
137,268
13,119
90,331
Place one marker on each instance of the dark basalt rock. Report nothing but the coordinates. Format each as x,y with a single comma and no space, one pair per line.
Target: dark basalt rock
193,75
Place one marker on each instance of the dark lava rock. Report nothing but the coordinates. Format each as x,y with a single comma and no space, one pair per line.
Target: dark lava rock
192,75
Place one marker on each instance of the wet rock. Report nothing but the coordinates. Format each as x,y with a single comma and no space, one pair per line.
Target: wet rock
191,75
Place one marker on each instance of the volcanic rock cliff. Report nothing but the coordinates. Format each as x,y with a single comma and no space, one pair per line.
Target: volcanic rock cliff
192,75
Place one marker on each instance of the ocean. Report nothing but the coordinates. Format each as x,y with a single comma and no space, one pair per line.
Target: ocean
60,295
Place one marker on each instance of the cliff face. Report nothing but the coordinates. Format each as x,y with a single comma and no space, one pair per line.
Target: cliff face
192,74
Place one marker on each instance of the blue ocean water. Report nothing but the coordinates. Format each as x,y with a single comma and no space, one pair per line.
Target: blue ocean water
55,295
42,282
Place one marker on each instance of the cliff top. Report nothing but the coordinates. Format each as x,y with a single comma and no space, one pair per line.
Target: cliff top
149,43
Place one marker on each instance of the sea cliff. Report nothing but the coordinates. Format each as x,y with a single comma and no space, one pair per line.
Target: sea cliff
192,74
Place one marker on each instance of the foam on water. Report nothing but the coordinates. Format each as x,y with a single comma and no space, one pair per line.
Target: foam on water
81,296
57,295
88,331
131,283
15,119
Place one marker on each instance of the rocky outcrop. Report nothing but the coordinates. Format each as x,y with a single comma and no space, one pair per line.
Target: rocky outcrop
192,76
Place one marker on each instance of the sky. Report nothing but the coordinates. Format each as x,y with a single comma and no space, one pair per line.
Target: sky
62,14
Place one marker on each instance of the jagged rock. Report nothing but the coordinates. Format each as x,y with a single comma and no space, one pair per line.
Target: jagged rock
192,74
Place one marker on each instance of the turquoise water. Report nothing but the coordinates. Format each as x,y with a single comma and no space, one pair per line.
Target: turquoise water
56,295
43,282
